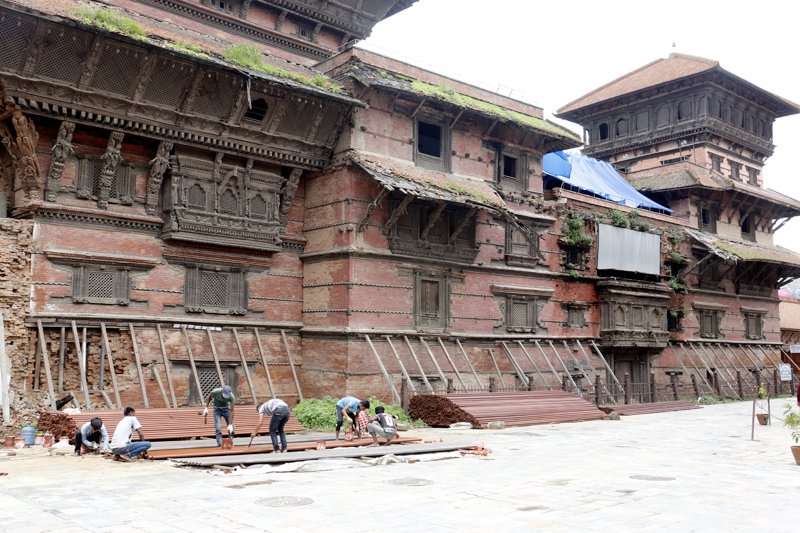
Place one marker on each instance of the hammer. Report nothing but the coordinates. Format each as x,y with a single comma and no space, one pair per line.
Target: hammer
251,440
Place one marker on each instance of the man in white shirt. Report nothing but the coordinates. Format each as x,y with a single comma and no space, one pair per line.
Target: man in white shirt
278,413
121,445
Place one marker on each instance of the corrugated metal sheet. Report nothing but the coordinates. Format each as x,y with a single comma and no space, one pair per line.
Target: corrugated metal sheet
628,250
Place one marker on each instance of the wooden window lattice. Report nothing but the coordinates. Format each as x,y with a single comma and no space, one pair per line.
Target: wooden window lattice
196,197
214,290
228,203
63,55
14,35
258,207
100,284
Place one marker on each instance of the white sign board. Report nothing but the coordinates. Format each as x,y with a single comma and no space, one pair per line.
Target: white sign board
628,250
786,372
794,348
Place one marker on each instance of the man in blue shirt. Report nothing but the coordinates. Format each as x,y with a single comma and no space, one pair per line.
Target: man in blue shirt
89,435
348,406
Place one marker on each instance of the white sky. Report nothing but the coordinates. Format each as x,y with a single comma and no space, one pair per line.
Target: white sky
549,53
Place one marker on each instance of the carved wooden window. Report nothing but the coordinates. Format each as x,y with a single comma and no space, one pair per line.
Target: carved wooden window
674,319
710,321
257,111
748,227
412,224
642,121
258,207
522,313
603,131
662,117
752,176
684,110
576,316
736,169
518,248
90,172
431,307
622,127
211,290
707,217
305,31
196,197
228,203
574,256
716,162
432,145
100,285
209,380
754,325
512,171
717,109
229,6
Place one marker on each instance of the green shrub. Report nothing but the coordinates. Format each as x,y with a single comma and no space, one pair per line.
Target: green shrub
618,218
111,21
320,414
677,258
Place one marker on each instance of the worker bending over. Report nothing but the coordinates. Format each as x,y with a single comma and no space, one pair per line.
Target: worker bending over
90,434
279,414
347,409
224,401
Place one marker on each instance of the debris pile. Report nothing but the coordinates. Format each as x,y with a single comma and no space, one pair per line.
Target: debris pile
57,424
438,411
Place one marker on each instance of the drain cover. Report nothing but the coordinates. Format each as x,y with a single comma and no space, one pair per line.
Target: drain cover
411,481
285,501
653,478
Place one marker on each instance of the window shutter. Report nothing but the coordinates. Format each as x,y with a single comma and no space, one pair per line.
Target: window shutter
429,298
122,287
238,291
85,172
191,291
78,283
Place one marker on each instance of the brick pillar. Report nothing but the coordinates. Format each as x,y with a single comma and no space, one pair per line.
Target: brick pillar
626,384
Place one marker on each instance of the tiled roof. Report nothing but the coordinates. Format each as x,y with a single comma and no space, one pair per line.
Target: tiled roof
660,71
376,77
696,176
395,174
736,250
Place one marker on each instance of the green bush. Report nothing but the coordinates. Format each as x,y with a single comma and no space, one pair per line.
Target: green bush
618,218
574,233
320,414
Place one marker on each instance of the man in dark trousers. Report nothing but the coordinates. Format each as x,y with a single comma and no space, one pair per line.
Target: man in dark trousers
90,434
224,401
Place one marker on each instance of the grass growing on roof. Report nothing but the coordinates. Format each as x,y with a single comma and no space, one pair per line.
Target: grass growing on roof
320,414
188,48
112,21
252,58
442,92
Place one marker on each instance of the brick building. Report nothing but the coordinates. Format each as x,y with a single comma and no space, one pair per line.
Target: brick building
206,191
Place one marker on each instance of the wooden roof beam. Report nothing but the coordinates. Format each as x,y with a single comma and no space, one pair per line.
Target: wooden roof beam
399,211
416,110
461,225
372,206
437,214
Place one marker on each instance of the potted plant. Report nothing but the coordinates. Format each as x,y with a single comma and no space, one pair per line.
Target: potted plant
791,420
763,418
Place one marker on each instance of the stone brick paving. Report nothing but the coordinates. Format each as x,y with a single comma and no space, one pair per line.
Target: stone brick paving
681,471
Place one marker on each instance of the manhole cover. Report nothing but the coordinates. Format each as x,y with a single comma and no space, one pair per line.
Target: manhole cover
285,501
411,481
653,478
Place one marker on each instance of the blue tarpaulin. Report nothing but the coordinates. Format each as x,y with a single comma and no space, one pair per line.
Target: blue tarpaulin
597,177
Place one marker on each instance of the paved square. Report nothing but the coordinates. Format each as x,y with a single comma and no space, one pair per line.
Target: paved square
682,471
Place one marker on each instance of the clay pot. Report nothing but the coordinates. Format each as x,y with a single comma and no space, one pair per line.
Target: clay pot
796,453
19,442
763,418
9,441
48,440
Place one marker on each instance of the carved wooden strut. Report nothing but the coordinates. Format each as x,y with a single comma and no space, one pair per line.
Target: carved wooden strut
62,149
158,166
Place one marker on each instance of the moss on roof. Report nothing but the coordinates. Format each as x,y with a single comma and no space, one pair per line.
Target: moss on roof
112,21
442,92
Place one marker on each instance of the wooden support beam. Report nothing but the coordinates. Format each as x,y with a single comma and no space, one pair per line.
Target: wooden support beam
547,362
491,128
36,368
566,370
779,226
108,401
435,363
395,395
138,366
216,359
372,206
167,369
394,100
399,211
62,346
536,368
81,367
104,334
747,213
244,366
608,367
261,353
46,361
496,367
432,220
194,367
458,117
517,368
419,106
419,365
452,364
730,202
154,370
469,363
291,365
461,225
699,372
400,362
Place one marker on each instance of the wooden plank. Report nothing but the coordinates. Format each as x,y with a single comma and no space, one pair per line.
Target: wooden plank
110,363
36,368
46,362
74,399
154,370
549,365
244,366
291,365
272,392
138,366
419,365
84,385
449,360
608,367
518,369
395,395
167,370
402,366
566,370
194,368
108,401
61,353
435,364
216,359
5,374
469,363
596,372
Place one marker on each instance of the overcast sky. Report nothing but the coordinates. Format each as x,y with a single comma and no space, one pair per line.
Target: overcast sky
549,53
